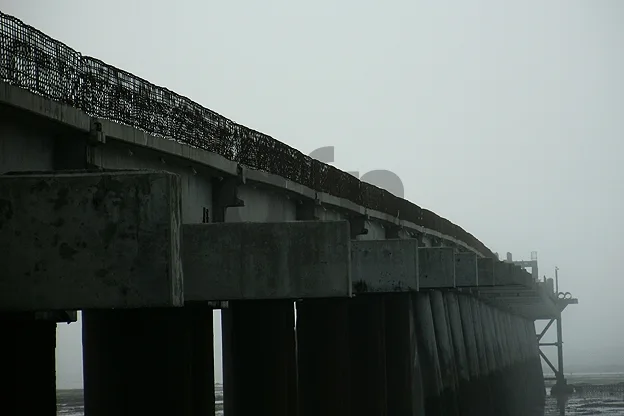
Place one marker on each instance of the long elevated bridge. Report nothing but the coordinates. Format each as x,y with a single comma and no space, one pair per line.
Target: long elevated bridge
147,211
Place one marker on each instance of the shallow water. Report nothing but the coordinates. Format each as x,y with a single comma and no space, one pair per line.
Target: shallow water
587,406
70,402
600,401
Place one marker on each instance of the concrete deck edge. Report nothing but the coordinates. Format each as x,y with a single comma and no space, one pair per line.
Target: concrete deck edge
23,99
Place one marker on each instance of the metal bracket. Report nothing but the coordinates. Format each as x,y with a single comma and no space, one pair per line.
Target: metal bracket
393,231
358,225
96,133
225,195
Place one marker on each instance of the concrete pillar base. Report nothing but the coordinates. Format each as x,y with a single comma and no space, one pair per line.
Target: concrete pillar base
368,355
260,372
148,361
28,365
323,357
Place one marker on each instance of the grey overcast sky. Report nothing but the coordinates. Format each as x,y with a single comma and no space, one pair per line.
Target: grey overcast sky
505,117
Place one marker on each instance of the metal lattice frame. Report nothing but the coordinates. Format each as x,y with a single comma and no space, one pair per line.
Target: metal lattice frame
32,60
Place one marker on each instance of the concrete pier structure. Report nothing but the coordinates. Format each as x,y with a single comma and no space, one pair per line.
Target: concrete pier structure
263,261
90,240
337,297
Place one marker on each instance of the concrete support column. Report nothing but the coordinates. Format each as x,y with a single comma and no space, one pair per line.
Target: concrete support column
199,321
495,379
323,357
27,365
466,392
520,360
477,391
403,373
534,364
445,353
534,379
428,355
367,346
530,366
519,348
485,396
261,358
148,361
505,394
509,392
514,374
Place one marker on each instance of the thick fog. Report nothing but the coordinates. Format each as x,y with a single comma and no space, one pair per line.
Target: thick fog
504,117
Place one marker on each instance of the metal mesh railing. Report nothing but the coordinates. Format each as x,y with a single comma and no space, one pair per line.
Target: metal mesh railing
34,61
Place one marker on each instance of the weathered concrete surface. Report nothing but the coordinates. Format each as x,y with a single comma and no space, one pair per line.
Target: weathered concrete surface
503,273
290,260
492,272
90,240
24,145
262,204
485,268
466,270
436,267
384,266
195,186
521,276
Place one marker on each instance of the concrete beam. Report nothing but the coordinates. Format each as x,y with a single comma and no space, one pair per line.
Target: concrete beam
89,240
436,267
499,273
485,268
509,274
503,289
522,299
503,273
466,270
57,316
522,277
384,266
289,260
550,304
